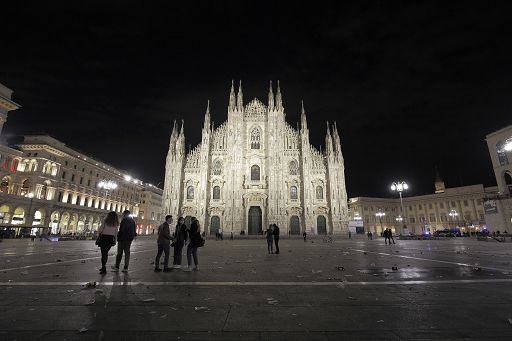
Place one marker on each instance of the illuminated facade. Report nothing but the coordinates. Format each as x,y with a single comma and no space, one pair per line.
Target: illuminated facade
150,210
255,169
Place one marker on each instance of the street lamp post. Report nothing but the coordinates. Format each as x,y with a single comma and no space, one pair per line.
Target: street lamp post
107,185
380,214
400,186
453,215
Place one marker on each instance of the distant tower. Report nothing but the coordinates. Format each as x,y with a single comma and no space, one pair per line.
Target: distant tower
439,183
6,104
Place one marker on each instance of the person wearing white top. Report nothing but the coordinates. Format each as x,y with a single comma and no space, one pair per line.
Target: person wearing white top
107,238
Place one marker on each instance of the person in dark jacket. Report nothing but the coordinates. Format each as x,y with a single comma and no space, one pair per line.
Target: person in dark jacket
180,237
269,237
276,237
195,242
164,243
125,236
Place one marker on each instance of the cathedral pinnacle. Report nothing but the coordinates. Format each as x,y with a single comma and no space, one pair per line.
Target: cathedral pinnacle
303,120
232,98
207,116
279,99
270,97
239,98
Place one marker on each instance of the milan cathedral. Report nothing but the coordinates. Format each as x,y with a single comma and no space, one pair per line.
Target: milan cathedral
255,169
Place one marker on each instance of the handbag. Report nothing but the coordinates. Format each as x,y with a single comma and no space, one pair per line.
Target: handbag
98,241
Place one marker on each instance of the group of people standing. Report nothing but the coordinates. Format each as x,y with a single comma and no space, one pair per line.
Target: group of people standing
110,233
272,236
182,236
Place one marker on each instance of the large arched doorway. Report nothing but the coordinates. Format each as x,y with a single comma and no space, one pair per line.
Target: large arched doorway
294,225
321,225
215,225
254,221
18,218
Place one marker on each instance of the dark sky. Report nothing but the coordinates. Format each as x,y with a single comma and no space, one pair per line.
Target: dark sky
411,84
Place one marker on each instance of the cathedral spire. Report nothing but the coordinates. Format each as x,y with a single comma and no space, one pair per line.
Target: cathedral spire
279,99
328,142
303,120
232,98
270,97
207,117
240,98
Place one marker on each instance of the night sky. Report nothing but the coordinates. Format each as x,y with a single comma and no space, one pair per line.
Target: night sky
411,85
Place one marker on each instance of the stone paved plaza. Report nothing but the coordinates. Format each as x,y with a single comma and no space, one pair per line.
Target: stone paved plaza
443,289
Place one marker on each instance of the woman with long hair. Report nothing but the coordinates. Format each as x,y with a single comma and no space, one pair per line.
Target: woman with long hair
180,237
107,238
195,242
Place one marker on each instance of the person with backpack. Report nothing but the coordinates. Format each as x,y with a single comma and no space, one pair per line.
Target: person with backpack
195,242
164,244
180,238
125,236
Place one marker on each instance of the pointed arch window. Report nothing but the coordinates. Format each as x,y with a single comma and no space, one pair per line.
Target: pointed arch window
319,193
190,192
255,172
293,193
293,167
217,168
216,193
255,138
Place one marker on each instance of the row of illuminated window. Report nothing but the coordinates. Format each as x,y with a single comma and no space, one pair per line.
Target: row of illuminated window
430,206
293,193
153,215
75,199
445,217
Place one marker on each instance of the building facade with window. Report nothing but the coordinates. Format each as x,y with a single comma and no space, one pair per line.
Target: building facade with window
458,207
255,169
150,210
56,187
498,208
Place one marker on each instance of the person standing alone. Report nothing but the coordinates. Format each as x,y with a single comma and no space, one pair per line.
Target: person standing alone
164,244
275,232
125,236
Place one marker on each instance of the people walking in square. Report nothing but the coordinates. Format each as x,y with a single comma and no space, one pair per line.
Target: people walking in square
164,244
125,236
107,238
385,235
371,235
195,241
180,236
221,234
270,241
390,236
275,232
304,235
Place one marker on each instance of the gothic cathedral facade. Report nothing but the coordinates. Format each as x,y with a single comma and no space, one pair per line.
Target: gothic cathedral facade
256,169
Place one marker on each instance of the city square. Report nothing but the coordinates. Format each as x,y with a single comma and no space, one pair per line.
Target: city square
371,141
455,288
